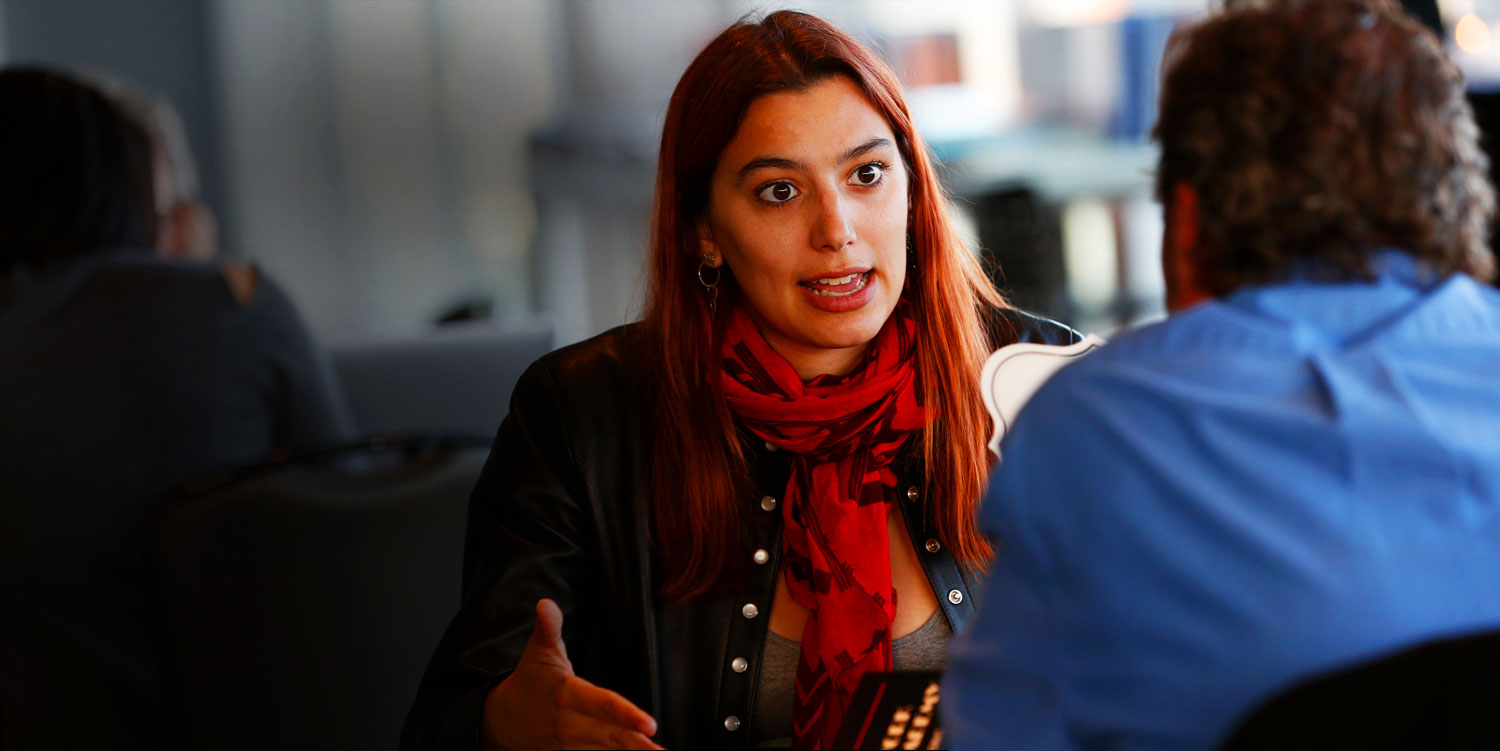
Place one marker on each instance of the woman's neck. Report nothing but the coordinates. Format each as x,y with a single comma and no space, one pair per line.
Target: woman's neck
818,361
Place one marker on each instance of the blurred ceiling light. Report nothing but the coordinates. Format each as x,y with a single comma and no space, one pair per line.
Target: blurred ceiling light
1472,35
1075,12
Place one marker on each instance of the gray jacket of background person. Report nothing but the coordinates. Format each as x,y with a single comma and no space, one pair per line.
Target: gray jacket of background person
122,376
563,510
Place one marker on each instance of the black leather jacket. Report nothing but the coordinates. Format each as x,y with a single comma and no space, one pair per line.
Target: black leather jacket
563,510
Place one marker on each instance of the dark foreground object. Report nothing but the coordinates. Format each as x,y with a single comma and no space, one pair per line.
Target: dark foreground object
1442,694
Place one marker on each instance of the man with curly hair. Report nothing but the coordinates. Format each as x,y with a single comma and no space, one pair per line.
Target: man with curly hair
1299,470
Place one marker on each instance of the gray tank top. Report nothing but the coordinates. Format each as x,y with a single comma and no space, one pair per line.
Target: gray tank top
771,716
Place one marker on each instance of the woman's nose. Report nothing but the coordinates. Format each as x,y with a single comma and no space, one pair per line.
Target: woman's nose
834,227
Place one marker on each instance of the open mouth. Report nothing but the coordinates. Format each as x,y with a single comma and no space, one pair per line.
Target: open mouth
839,286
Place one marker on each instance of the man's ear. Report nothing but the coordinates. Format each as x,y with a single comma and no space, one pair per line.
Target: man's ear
1179,252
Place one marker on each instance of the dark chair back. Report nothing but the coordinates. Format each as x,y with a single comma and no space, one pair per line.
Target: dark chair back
1442,694
1020,237
302,599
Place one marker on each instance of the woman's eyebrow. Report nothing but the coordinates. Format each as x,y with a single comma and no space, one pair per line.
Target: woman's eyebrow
765,162
877,142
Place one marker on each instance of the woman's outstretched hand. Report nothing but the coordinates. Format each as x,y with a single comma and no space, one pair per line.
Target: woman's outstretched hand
544,705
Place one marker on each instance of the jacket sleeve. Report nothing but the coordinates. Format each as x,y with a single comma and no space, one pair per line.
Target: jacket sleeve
529,519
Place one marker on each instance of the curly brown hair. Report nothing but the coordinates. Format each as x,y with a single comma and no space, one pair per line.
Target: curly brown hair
1316,132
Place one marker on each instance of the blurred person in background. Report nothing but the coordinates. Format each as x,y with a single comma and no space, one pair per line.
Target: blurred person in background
187,228
125,374
707,526
1299,470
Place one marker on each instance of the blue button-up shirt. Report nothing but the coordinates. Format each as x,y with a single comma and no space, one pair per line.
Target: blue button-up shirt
1212,508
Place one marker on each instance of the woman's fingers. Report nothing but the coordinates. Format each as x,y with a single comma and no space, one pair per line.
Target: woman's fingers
604,718
578,730
544,704
636,740
604,705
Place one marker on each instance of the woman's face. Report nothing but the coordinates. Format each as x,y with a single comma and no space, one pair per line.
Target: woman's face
808,209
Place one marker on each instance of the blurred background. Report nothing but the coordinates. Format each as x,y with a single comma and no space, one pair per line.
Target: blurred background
395,163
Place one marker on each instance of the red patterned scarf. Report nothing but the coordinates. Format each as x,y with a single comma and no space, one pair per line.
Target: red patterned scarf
843,433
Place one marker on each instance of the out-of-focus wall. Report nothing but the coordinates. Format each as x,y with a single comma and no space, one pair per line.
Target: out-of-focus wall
281,161
377,151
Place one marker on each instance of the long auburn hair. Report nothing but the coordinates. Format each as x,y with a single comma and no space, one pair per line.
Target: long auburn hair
701,469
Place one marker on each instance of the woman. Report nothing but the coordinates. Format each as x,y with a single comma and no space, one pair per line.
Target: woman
723,497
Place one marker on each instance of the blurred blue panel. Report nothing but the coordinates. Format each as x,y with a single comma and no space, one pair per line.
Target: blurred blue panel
1142,41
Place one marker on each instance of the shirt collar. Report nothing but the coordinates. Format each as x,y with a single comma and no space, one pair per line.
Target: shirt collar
1338,312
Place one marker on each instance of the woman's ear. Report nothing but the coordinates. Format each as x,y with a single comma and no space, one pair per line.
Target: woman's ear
708,250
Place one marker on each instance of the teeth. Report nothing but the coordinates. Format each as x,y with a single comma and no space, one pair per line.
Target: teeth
827,293
838,281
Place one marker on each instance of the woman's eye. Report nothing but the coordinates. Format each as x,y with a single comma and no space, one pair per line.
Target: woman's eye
867,174
778,193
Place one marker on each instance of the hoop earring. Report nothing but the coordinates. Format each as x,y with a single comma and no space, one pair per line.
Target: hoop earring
711,288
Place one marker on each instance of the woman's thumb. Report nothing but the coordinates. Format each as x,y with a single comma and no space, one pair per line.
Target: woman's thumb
547,635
